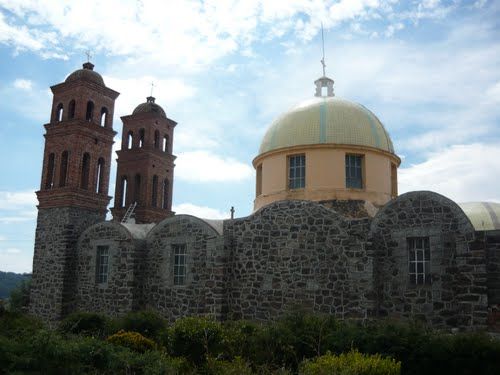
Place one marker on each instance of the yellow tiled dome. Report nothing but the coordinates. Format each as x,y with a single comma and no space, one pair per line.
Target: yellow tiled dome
326,120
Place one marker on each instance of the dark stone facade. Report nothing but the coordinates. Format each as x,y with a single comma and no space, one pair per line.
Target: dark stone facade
53,284
289,254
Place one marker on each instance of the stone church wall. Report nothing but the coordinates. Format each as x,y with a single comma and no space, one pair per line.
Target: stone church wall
298,254
492,244
119,294
203,290
53,285
456,294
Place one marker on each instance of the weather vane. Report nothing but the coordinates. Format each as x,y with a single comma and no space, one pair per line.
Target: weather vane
323,46
152,85
89,55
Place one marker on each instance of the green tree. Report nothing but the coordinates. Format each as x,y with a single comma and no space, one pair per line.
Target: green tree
19,299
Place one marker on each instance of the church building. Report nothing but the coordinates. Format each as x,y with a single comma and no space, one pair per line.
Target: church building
329,232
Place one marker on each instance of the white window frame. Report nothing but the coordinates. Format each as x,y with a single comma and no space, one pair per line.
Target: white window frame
180,263
419,260
102,264
296,171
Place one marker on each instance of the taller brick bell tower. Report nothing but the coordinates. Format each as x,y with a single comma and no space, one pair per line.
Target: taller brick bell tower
74,186
145,165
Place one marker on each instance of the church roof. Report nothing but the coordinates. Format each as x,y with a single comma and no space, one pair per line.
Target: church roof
326,120
483,215
87,74
149,106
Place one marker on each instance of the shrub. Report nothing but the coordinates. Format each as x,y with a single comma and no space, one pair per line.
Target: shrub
132,340
147,323
18,325
351,363
19,299
85,323
236,367
195,338
150,362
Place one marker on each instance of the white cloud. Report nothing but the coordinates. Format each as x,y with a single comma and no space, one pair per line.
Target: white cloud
133,91
200,211
12,260
189,33
204,166
23,84
462,173
3,238
14,200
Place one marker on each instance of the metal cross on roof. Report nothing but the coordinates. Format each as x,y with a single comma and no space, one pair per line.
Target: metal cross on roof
89,55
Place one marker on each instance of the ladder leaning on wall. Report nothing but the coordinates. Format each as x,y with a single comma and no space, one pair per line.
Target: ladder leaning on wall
129,212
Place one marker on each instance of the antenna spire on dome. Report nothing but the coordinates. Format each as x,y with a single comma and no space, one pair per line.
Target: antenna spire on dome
323,46
324,82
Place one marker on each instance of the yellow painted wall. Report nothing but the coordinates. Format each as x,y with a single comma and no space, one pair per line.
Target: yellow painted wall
325,175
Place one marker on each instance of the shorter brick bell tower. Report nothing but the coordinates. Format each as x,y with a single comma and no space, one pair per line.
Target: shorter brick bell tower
145,165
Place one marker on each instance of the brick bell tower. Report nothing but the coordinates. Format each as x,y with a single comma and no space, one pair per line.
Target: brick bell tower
74,186
145,165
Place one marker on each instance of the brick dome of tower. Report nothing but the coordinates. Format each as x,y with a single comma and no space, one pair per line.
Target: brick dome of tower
87,74
149,106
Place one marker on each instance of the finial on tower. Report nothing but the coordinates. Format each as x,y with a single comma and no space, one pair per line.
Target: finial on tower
324,82
152,86
88,65
323,46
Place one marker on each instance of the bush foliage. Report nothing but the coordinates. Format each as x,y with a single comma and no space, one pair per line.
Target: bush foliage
132,340
296,343
351,363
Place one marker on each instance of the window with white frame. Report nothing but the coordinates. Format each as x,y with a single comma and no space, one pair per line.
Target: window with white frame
419,260
354,171
296,171
102,264
179,264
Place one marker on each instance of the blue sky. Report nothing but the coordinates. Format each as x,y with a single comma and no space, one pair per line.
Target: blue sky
430,70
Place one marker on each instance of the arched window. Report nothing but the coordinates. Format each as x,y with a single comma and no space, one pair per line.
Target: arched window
63,172
154,193
49,178
71,110
157,139
137,188
165,143
59,112
89,115
130,140
104,116
164,194
84,183
123,196
141,138
99,186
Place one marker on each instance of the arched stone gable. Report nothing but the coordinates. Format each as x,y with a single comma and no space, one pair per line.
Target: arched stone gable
452,293
298,253
119,294
202,289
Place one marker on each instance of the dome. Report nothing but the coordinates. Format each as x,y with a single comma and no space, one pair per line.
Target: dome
483,215
87,73
326,120
149,106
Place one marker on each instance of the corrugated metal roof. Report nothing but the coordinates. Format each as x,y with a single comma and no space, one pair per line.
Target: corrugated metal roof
326,120
483,215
